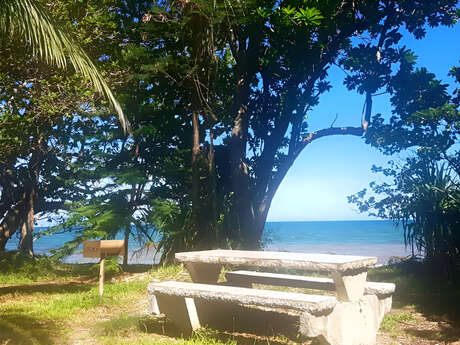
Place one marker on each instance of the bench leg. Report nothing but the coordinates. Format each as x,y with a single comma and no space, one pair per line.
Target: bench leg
203,273
350,285
384,305
350,323
181,311
154,309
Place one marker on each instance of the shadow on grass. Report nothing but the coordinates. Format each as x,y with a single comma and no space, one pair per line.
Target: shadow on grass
447,333
49,288
161,326
18,328
427,290
138,268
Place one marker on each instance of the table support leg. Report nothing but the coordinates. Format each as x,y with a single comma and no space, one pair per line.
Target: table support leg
203,272
181,311
350,284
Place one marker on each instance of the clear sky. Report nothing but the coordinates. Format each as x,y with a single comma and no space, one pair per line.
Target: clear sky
331,168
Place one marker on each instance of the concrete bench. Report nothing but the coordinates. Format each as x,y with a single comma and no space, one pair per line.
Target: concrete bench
247,278
351,317
348,272
186,304
383,291
191,305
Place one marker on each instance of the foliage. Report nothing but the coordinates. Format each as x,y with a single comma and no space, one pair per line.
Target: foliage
44,115
16,267
424,192
218,95
425,197
239,80
51,42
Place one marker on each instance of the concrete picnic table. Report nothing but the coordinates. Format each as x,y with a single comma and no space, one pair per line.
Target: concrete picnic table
348,272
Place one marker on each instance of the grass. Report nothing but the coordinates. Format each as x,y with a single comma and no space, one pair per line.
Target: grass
391,321
42,300
422,288
46,302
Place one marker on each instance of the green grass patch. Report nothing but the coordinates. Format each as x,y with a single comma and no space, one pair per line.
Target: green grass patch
202,337
428,291
391,322
17,268
65,301
60,302
172,272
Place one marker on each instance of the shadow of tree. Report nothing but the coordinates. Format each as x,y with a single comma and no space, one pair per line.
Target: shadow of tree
18,328
161,326
48,288
444,333
431,293
139,268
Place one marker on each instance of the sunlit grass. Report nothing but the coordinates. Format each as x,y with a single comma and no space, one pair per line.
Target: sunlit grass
65,306
391,321
172,272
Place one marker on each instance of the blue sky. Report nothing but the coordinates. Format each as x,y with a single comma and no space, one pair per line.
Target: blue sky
331,168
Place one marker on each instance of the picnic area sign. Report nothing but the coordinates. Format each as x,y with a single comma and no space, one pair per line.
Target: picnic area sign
101,249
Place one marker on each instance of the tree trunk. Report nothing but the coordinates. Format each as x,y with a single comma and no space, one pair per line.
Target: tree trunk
27,228
243,212
9,226
125,257
212,188
195,168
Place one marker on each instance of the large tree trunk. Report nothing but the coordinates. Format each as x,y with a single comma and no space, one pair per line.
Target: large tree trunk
125,257
212,189
27,228
243,211
195,167
9,225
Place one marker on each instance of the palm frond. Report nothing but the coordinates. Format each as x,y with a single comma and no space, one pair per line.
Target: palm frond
52,44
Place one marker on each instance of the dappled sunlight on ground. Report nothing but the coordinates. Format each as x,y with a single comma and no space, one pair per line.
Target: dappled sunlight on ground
69,311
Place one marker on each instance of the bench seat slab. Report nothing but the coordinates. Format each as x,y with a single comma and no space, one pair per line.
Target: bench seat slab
247,278
331,322
315,304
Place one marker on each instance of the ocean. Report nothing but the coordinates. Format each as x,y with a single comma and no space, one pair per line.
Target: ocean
368,237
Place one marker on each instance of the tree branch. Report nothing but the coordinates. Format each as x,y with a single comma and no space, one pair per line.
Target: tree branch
357,131
282,171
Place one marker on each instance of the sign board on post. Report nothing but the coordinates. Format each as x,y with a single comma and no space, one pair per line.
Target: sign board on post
92,249
101,249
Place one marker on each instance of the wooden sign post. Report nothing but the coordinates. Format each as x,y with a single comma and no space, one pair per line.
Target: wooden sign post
101,249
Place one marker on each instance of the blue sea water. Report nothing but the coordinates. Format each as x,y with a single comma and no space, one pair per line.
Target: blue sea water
371,237
378,238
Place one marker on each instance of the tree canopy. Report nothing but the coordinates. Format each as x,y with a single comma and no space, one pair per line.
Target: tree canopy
218,95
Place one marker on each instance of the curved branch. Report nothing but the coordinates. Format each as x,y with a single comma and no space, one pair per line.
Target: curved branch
282,171
357,131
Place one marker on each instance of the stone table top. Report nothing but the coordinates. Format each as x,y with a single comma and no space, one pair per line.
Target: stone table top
302,261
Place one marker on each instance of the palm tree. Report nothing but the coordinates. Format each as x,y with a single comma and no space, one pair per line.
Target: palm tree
49,42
